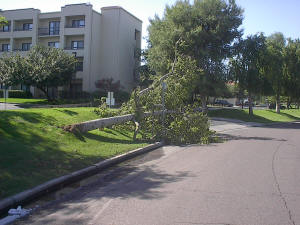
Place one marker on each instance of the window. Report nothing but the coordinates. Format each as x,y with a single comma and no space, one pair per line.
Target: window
27,26
54,27
54,44
5,47
26,46
78,23
79,66
6,28
77,45
137,34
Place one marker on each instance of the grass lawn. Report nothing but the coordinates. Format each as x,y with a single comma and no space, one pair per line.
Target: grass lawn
25,100
34,149
260,116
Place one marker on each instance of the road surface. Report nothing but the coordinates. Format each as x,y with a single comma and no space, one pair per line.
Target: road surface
253,178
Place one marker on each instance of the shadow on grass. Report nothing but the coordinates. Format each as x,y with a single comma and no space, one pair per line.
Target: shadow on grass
68,112
238,114
31,154
83,136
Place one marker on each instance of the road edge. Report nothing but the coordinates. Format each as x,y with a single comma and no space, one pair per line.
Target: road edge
56,183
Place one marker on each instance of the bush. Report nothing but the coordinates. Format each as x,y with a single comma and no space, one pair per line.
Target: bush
76,95
17,94
121,96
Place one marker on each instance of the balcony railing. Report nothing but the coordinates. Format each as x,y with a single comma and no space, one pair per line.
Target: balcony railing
1,30
73,48
74,26
48,32
22,29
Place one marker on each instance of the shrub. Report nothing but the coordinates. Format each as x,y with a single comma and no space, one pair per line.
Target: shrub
17,94
121,96
104,111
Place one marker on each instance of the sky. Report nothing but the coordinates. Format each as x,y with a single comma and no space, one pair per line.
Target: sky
266,16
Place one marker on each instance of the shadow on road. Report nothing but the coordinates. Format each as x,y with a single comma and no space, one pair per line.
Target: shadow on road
124,181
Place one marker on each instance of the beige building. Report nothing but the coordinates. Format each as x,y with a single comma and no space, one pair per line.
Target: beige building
104,43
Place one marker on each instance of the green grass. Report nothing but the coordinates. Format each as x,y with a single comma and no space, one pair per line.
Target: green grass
260,116
25,100
34,148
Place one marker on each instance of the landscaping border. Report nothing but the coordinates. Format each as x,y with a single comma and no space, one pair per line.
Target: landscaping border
59,182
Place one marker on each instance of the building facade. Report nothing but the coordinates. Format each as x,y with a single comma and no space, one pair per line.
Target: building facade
104,43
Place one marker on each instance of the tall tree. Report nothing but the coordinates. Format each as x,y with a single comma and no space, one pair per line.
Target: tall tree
274,63
203,30
49,67
246,66
291,71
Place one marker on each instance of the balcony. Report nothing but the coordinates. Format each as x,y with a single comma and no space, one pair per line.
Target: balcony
23,29
73,48
48,32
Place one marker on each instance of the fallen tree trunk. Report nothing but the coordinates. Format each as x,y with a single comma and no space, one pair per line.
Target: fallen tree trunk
105,122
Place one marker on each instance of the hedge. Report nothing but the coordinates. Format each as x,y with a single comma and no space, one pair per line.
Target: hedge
17,94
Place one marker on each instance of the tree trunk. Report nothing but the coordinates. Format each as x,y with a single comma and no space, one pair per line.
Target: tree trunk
278,103
45,91
288,103
204,105
250,105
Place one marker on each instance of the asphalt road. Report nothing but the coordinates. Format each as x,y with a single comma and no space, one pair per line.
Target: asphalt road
253,178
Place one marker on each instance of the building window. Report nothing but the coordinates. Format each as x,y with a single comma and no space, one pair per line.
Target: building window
54,44
78,23
5,47
26,46
79,66
6,28
54,27
27,26
77,45
137,34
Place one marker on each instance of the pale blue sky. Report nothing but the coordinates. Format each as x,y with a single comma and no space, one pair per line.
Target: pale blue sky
266,16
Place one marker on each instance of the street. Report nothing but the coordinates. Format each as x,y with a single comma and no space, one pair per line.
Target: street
252,178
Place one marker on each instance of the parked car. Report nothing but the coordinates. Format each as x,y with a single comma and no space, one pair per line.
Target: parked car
223,103
273,106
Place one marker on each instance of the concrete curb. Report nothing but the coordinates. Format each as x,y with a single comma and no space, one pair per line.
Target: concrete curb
56,183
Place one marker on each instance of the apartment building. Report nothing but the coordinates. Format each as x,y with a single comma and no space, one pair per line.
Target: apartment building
103,42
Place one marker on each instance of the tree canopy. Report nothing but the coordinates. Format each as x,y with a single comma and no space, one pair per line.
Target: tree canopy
42,67
203,30
246,66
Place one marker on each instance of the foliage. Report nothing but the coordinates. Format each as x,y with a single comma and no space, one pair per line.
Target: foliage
49,67
3,21
13,70
192,126
189,127
203,30
273,64
104,111
291,71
